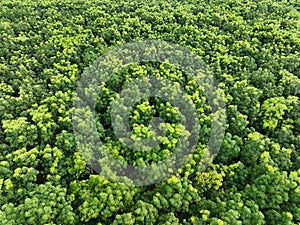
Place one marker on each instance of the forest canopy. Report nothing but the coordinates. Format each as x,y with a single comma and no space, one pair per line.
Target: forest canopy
252,48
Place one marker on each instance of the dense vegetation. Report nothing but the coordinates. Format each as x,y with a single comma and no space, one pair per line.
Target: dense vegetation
252,47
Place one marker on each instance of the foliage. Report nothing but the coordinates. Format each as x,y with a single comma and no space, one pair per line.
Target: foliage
253,49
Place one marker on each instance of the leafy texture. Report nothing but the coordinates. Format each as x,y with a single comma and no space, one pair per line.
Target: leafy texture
252,48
